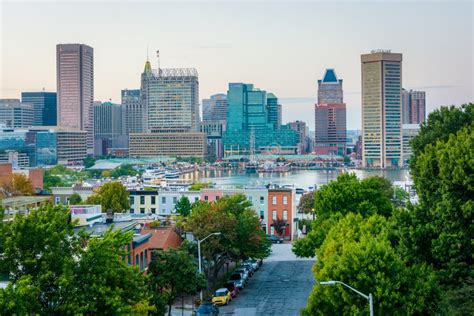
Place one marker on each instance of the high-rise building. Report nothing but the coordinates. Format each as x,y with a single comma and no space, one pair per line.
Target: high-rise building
214,131
215,108
330,88
171,99
381,109
168,144
45,107
248,127
274,111
16,114
330,116
109,127
301,128
409,131
413,107
135,113
75,86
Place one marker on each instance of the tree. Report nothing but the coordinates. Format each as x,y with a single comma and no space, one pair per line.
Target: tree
358,252
279,225
75,199
199,186
88,162
111,196
174,273
183,206
20,185
106,284
338,198
306,204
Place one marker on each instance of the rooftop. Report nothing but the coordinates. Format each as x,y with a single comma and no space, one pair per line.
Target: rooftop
330,76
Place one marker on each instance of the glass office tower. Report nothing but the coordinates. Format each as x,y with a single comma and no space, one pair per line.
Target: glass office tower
45,107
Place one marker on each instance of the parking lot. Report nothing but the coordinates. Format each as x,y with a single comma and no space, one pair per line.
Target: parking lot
281,286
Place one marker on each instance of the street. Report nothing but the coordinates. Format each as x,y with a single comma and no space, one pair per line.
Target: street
281,286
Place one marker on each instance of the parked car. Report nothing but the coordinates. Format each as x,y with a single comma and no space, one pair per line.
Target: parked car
238,279
233,289
255,264
221,297
207,309
275,239
244,272
249,268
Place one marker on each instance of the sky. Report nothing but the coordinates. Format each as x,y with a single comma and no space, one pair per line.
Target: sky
282,47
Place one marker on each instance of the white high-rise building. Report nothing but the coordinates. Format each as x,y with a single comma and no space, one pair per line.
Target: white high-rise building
381,110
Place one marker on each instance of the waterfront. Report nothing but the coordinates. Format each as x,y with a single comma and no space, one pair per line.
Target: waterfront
299,178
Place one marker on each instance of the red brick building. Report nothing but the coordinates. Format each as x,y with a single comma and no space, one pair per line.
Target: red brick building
280,206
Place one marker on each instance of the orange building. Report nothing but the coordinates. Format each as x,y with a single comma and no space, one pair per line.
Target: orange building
280,207
5,173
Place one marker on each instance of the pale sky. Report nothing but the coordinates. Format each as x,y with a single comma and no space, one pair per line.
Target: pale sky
282,47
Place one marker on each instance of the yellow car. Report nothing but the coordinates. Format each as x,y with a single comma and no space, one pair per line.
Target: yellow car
221,297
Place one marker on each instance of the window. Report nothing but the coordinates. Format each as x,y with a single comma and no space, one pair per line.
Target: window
153,210
272,230
285,214
132,210
142,199
285,200
141,261
206,198
163,200
196,199
142,210
136,260
250,199
175,199
132,200
262,200
262,215
274,200
217,198
153,200
274,214
67,201
146,258
57,200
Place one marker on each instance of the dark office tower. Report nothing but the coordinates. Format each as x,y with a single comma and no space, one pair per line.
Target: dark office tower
274,110
75,81
135,116
215,108
45,107
413,106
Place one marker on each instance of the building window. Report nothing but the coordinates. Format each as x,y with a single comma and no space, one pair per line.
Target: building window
272,230
262,215
285,200
146,259
274,200
142,199
67,201
285,214
57,200
217,198
249,198
262,200
175,199
153,210
132,200
196,199
132,211
163,200
141,261
153,200
136,260
206,198
142,210
274,215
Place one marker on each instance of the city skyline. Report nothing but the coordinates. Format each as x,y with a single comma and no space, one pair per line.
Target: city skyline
311,40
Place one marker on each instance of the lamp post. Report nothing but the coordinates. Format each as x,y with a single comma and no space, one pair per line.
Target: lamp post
367,297
199,255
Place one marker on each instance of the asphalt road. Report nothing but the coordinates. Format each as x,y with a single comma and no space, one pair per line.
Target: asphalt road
281,287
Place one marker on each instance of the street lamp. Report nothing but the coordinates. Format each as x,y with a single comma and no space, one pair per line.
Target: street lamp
199,255
367,297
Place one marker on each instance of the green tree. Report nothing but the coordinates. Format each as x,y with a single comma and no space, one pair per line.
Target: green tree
344,195
111,196
174,273
306,204
19,185
89,161
358,252
183,206
279,225
106,284
199,186
75,199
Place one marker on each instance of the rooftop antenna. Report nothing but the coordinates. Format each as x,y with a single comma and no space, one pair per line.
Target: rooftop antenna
158,58
147,59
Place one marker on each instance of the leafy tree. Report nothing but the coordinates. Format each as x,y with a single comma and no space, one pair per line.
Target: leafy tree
20,185
305,222
338,198
306,204
124,170
75,199
89,161
199,186
279,225
111,196
106,284
358,252
174,273
183,206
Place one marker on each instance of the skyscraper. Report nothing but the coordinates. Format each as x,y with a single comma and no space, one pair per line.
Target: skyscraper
248,124
75,86
413,107
381,109
16,114
45,107
301,128
215,108
274,111
109,127
330,116
135,116
171,99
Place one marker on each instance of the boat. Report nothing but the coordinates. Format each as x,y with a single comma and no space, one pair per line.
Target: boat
172,174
